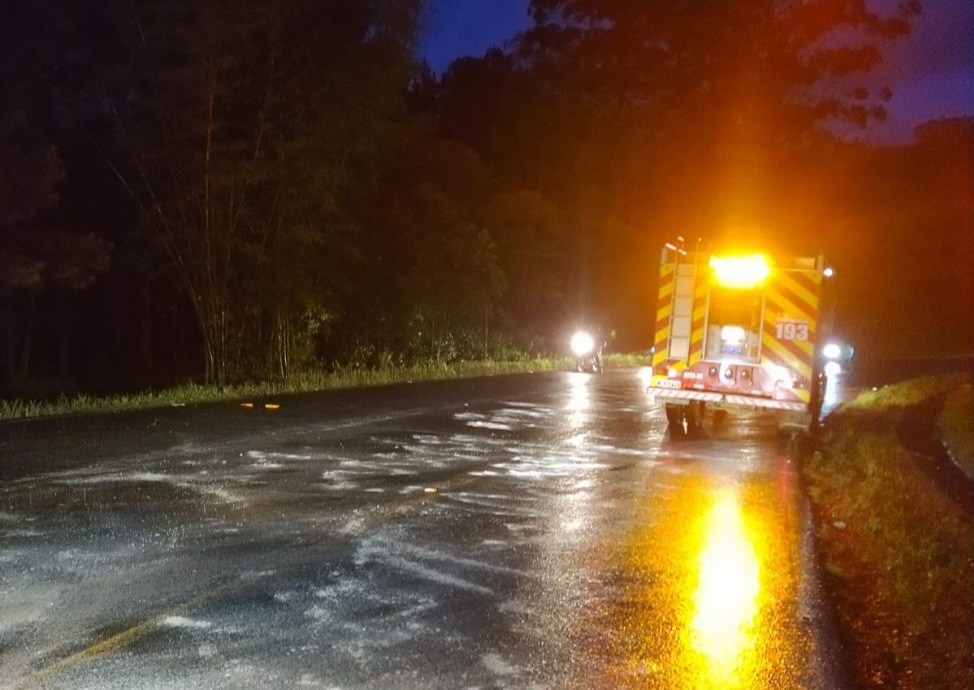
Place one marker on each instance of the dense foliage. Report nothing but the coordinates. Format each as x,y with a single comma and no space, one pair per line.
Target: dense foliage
241,190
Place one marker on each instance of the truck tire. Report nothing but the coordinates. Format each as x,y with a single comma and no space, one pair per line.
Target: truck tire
695,413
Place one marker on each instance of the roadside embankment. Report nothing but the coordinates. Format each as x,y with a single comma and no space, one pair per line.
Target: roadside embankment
956,427
895,533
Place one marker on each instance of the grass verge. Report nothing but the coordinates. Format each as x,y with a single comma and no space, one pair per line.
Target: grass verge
192,393
956,425
898,552
892,399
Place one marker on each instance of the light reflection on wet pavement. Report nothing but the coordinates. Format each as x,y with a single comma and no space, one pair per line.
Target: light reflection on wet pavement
716,609
524,532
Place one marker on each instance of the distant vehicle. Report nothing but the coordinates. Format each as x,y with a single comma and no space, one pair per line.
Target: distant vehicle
587,349
736,330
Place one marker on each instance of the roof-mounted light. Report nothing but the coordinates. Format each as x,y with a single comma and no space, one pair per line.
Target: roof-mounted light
740,271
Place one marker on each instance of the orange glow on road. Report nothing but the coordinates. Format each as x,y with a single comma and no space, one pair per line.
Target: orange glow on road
726,598
706,588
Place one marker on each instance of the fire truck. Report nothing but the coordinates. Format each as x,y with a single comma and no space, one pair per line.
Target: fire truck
737,330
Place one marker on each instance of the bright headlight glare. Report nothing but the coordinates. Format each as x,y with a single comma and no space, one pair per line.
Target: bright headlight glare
646,375
582,343
833,368
832,351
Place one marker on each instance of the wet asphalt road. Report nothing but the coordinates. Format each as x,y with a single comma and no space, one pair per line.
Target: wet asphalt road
532,531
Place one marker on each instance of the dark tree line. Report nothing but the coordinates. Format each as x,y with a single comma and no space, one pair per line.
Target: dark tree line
237,131
236,190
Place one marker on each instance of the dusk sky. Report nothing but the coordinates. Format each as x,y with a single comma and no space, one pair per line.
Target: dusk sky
931,71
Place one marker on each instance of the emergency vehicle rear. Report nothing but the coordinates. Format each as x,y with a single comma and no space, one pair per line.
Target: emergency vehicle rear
736,330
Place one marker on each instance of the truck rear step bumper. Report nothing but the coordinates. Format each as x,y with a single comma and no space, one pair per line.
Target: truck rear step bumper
665,395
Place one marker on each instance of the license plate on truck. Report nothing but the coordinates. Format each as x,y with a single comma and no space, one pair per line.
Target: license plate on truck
668,383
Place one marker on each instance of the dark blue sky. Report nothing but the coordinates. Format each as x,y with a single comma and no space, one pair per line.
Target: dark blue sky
931,71
469,27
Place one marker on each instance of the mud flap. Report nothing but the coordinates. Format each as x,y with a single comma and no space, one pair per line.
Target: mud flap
674,419
685,422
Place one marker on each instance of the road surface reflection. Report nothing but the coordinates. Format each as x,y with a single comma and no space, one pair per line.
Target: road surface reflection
705,591
726,597
579,400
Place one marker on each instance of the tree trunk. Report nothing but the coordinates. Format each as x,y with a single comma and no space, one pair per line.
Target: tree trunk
62,347
218,343
28,334
282,338
486,331
211,353
145,330
10,359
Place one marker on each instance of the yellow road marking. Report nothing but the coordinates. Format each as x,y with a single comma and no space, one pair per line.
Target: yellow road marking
109,644
117,641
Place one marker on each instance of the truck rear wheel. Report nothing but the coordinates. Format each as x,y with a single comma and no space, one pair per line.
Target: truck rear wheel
694,413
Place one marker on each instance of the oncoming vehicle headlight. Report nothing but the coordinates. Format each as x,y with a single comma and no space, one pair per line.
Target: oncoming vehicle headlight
832,351
582,343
